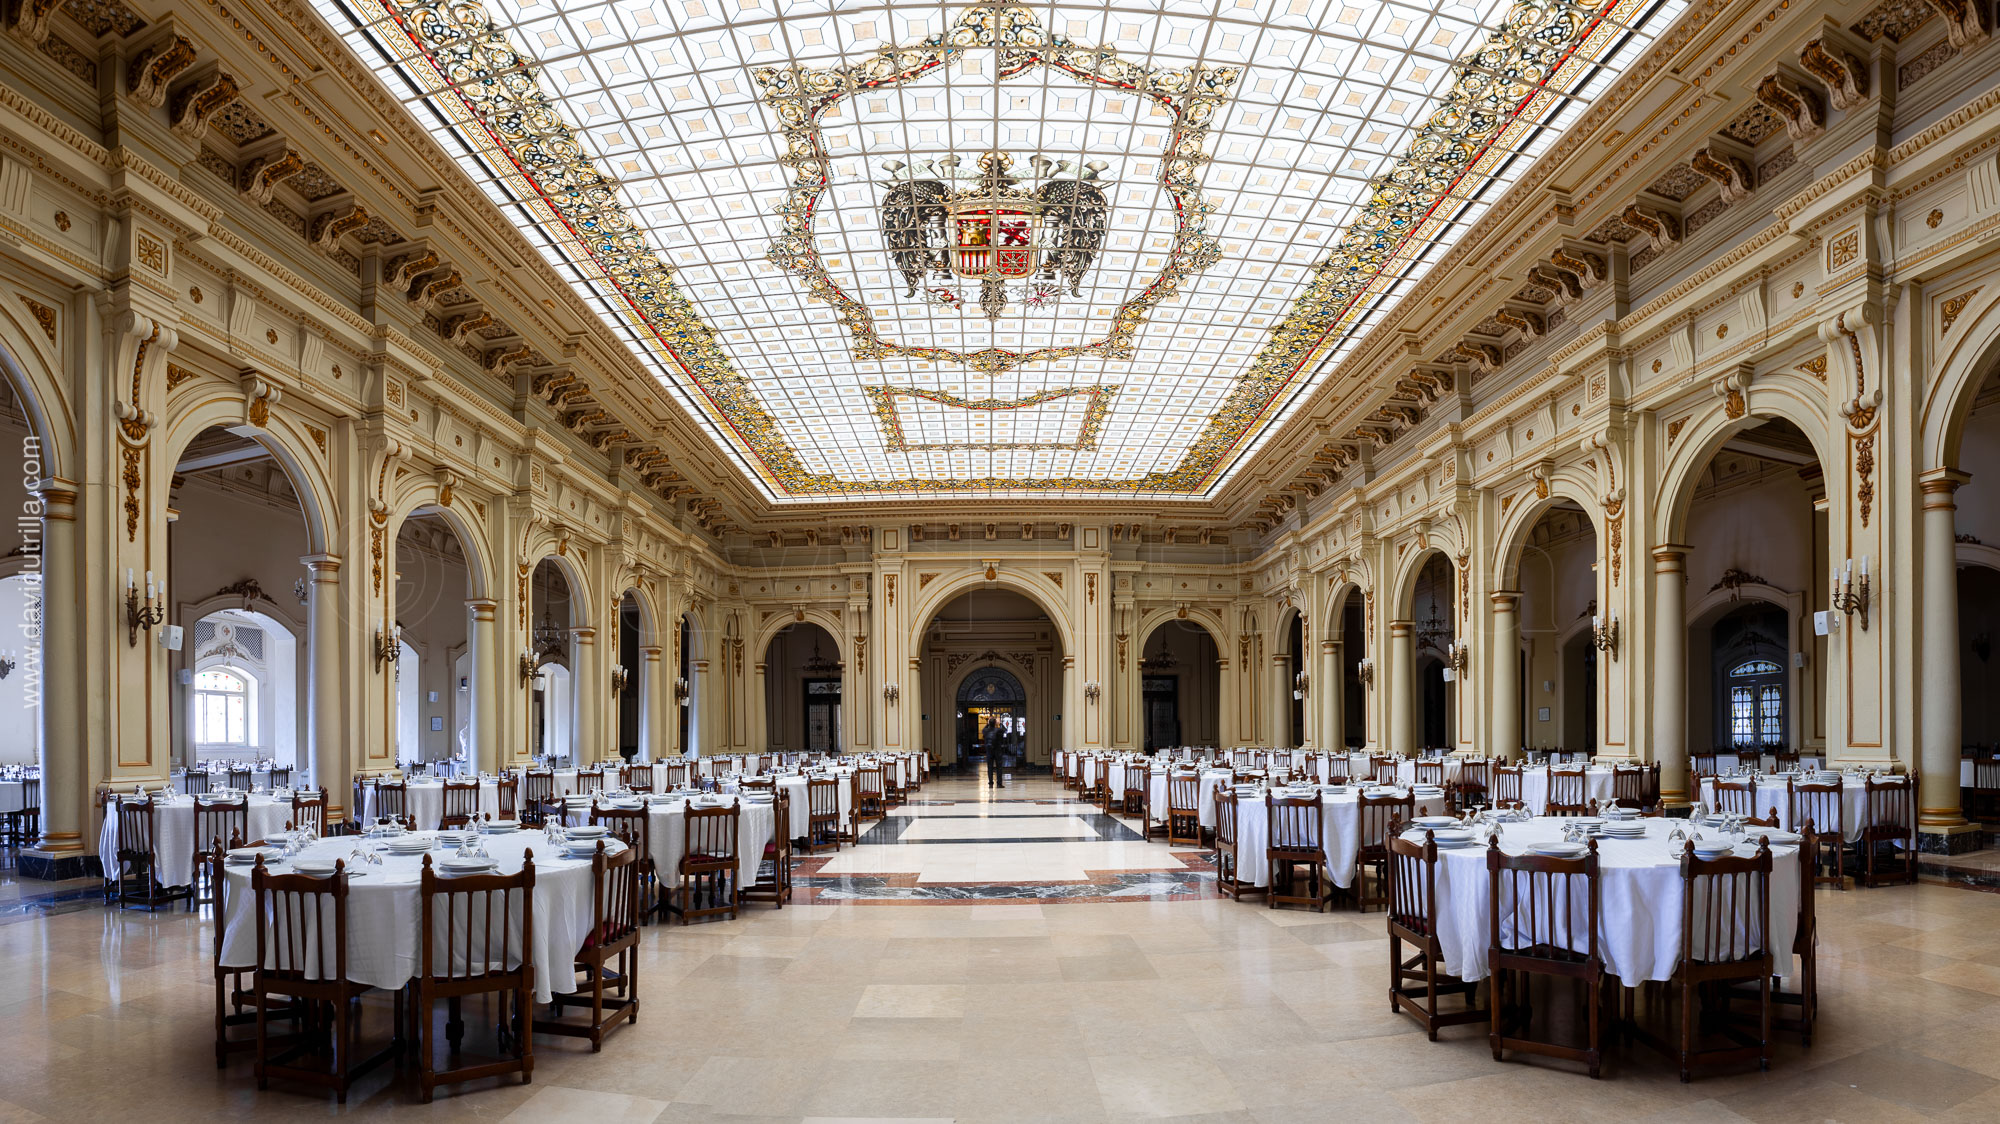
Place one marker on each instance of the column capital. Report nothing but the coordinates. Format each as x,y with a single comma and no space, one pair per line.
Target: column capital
1939,483
584,634
483,608
1506,600
1401,628
651,652
58,498
323,567
1670,557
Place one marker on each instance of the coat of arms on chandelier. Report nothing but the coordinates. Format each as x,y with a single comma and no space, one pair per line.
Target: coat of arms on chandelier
995,231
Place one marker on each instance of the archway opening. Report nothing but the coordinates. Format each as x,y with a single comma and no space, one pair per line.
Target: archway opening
1295,666
435,687
246,597
1976,527
802,687
1434,638
1557,575
994,627
1757,536
632,681
992,715
1181,687
21,686
1354,694
551,703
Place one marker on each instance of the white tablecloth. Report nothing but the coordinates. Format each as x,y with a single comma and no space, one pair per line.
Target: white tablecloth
426,802
1771,794
1406,771
668,825
385,912
173,835
12,795
1535,786
1340,827
1639,906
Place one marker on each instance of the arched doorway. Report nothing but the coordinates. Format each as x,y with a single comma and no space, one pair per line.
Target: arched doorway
225,480
1180,687
1434,638
991,712
1757,555
1000,627
551,703
1295,668
632,685
1351,722
802,688
1558,578
688,704
435,691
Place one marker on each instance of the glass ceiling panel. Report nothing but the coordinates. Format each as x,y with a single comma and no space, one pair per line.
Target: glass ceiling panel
850,237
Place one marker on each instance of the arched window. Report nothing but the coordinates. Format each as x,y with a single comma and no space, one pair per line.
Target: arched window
1757,703
222,707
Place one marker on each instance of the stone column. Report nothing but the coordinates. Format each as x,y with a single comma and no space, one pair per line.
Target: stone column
66,799
1279,691
1670,687
1506,679
484,636
326,754
1330,692
1402,689
586,740
1940,705
656,702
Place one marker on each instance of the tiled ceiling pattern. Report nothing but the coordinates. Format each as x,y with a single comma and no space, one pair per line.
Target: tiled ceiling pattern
718,178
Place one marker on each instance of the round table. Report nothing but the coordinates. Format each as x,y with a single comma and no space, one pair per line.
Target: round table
426,801
13,795
667,823
173,834
1772,793
385,911
1640,900
1340,830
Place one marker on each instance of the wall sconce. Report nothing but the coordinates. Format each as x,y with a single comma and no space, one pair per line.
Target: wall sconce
8,662
143,614
1847,597
619,677
1301,685
891,693
1364,669
528,668
1092,690
388,644
299,590
1604,634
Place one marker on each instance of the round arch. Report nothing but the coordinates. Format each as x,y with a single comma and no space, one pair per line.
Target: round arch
426,498
1682,472
27,360
224,409
1963,364
1569,484
1210,622
1046,595
1404,601
769,630
580,615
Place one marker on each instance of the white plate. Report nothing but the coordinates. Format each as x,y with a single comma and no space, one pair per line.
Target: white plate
588,831
1776,837
248,855
408,845
1712,849
316,866
1559,850
467,866
1433,821
500,827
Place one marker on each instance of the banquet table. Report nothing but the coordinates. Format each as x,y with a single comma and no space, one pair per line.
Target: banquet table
1340,829
426,801
260,779
1640,908
667,823
1535,786
173,834
385,911
13,795
1771,793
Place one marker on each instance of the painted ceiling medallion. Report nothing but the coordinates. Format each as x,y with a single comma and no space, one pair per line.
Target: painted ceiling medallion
996,231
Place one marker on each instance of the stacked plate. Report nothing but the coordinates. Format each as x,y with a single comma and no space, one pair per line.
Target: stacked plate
585,848
1451,838
1423,791
1713,848
1559,850
1775,836
499,827
317,865
408,845
244,856
588,831
1624,829
466,864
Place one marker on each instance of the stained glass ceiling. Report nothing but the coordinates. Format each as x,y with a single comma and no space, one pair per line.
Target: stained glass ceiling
898,249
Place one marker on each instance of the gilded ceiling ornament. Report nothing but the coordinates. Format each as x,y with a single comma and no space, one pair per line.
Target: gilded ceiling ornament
893,436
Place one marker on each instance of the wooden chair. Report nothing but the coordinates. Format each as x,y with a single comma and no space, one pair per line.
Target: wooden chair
215,818
708,867
1417,983
461,804
1736,796
1097,783
1335,770
868,795
1429,772
1889,833
138,858
1805,944
302,957
233,997
1470,788
1297,838
1628,786
636,778
777,887
1725,931
1546,919
1567,794
309,811
1983,803
392,799
608,962
590,780
281,777
239,778
633,827
1820,803
538,787
1184,809
823,826
1227,867
1702,765
357,802
1138,798
1505,791
474,946
1375,819
673,774
1382,768
194,782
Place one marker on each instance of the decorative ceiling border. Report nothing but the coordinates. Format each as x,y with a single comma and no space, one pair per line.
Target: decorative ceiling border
519,130
884,398
802,96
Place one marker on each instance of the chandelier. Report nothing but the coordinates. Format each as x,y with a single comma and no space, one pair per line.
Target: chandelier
1433,631
818,664
1156,663
551,639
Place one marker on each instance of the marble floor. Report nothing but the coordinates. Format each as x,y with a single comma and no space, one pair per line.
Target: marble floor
1028,1003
